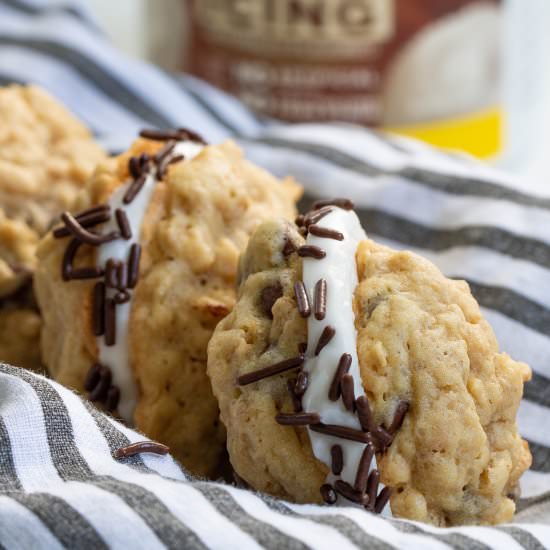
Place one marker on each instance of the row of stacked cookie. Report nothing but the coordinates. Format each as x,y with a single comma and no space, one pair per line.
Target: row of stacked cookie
394,378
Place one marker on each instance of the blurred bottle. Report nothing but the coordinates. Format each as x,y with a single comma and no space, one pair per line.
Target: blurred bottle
426,68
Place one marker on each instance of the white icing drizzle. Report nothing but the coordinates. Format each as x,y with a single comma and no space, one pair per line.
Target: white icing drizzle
116,357
339,269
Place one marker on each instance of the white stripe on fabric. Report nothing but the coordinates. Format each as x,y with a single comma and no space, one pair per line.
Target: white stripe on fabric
399,196
487,267
145,80
37,473
310,533
21,529
534,483
165,466
532,422
99,112
373,525
24,419
366,146
184,502
521,342
227,106
441,211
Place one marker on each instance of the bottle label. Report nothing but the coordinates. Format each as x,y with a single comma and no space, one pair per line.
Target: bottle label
429,68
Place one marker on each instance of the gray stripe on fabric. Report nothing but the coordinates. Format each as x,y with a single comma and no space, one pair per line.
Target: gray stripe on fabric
422,236
206,107
533,509
263,533
541,457
440,181
72,11
526,539
66,524
71,466
512,305
538,389
455,540
389,226
9,482
97,75
344,525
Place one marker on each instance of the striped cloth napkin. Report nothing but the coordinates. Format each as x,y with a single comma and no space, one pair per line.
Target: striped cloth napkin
60,485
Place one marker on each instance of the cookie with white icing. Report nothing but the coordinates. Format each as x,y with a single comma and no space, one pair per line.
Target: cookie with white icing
348,371
132,286
46,156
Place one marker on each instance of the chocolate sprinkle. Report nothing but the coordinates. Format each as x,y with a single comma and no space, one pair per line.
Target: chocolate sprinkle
92,210
83,235
311,251
398,417
372,488
363,469
185,133
179,134
383,438
133,265
325,232
347,491
300,386
112,399
315,215
164,151
269,295
123,224
364,413
342,431
90,219
302,300
382,499
134,167
348,394
160,135
328,493
99,392
68,259
122,276
164,163
296,401
346,204
325,338
142,447
92,378
110,322
302,347
343,367
337,462
111,273
297,419
98,309
134,189
300,220
320,302
86,273
272,370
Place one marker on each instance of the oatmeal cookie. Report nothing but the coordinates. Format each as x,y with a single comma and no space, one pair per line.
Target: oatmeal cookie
342,368
128,321
46,155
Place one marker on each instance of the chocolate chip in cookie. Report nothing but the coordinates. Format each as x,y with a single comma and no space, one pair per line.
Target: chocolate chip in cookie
269,295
